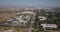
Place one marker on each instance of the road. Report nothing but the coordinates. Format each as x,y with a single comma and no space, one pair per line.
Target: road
32,24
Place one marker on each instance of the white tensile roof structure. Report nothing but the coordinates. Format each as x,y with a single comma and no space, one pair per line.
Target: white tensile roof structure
28,12
49,25
42,18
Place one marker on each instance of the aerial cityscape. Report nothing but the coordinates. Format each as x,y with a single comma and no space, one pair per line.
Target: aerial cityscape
29,15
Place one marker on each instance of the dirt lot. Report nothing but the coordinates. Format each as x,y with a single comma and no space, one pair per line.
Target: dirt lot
4,17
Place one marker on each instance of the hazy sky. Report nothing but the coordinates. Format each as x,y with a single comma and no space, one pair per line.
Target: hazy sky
29,3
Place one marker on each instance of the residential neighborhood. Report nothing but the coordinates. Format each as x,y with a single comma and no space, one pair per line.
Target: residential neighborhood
32,20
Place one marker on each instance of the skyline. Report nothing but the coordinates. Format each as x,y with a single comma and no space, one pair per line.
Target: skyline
29,3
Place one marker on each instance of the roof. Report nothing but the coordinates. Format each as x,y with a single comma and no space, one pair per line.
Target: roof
42,18
28,12
22,21
10,19
49,25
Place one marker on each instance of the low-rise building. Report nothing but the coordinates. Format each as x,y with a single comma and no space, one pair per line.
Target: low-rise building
10,19
42,18
20,22
27,17
49,26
